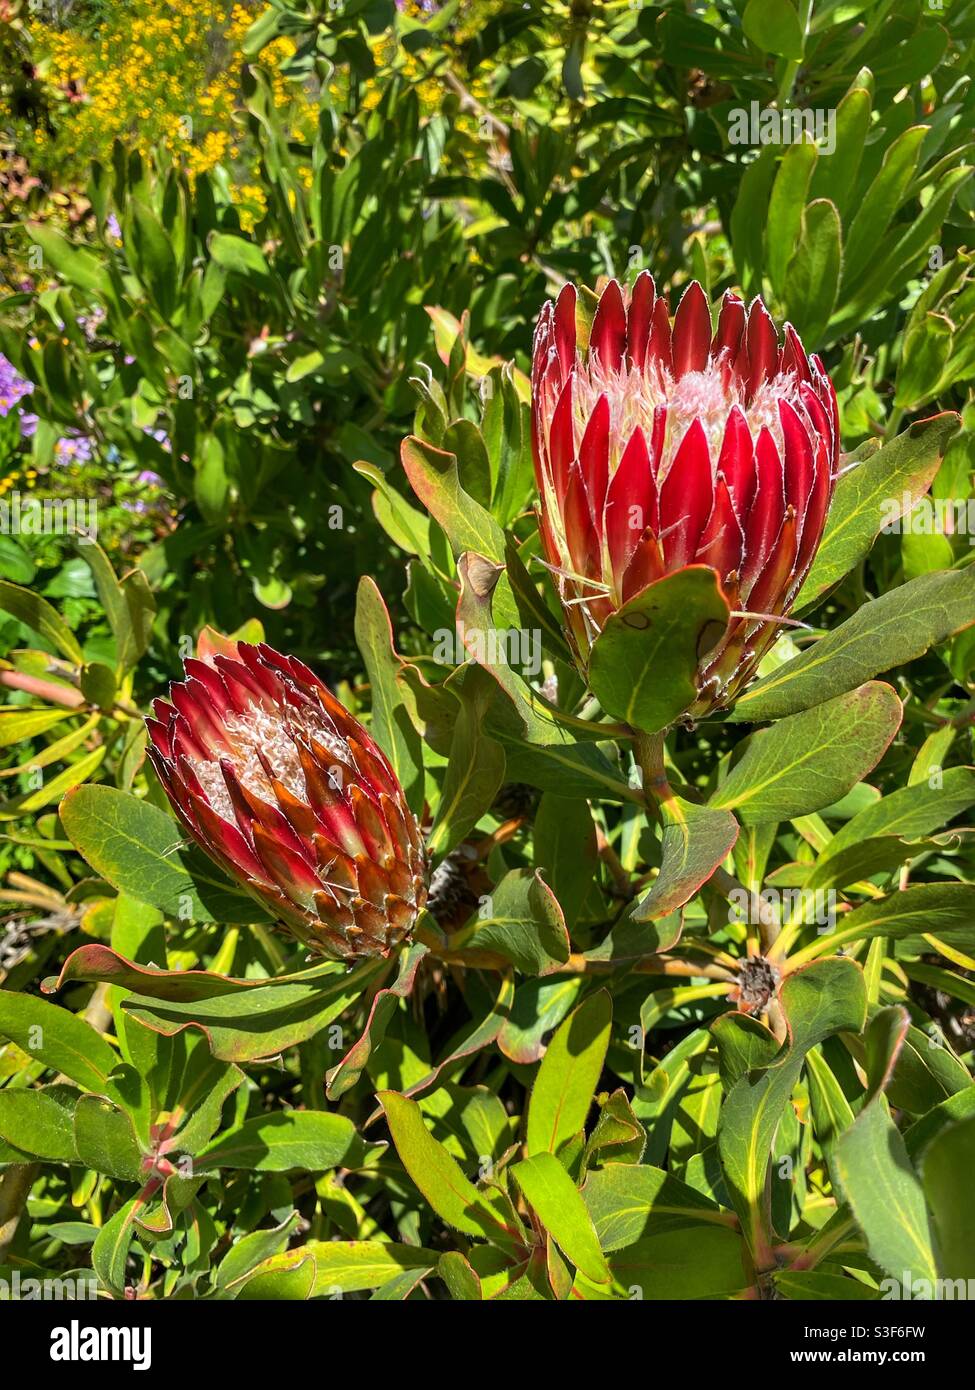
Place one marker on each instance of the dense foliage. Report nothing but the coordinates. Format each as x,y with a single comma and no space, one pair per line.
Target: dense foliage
689,1010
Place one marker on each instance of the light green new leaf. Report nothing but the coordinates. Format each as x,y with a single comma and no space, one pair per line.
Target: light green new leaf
555,1199
37,614
813,278
568,1075
438,1176
788,199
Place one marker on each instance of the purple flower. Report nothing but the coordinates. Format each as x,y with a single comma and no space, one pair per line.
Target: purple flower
75,448
161,438
112,227
149,479
28,425
13,387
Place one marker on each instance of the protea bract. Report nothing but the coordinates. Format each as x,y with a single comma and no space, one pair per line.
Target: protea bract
284,789
662,443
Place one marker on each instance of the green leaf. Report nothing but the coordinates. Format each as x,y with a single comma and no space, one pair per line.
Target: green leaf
40,1122
475,769
813,279
238,255
880,202
927,348
346,1073
565,850
810,1285
129,605
568,1076
250,1250
78,265
886,632
18,723
643,665
391,726
553,1196
105,1140
101,965
945,910
434,478
289,1277
874,1172
909,811
946,1171
438,1176
832,1114
817,1001
630,1201
811,759
874,494
256,1023
143,852
345,1266
110,1252
786,208
312,1140
696,839
521,920
63,1041
37,614
538,1007
697,1262
773,25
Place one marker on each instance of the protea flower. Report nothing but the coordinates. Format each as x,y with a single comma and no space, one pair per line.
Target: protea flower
663,445
283,789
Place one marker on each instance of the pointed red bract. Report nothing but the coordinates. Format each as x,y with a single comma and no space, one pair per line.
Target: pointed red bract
288,794
664,445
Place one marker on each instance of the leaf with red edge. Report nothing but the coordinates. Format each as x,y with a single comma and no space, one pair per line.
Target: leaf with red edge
98,964
696,840
344,1076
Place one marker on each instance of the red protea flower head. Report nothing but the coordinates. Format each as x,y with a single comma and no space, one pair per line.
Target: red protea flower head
283,789
663,444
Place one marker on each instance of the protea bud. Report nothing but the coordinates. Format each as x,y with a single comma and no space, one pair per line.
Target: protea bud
664,445
283,789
